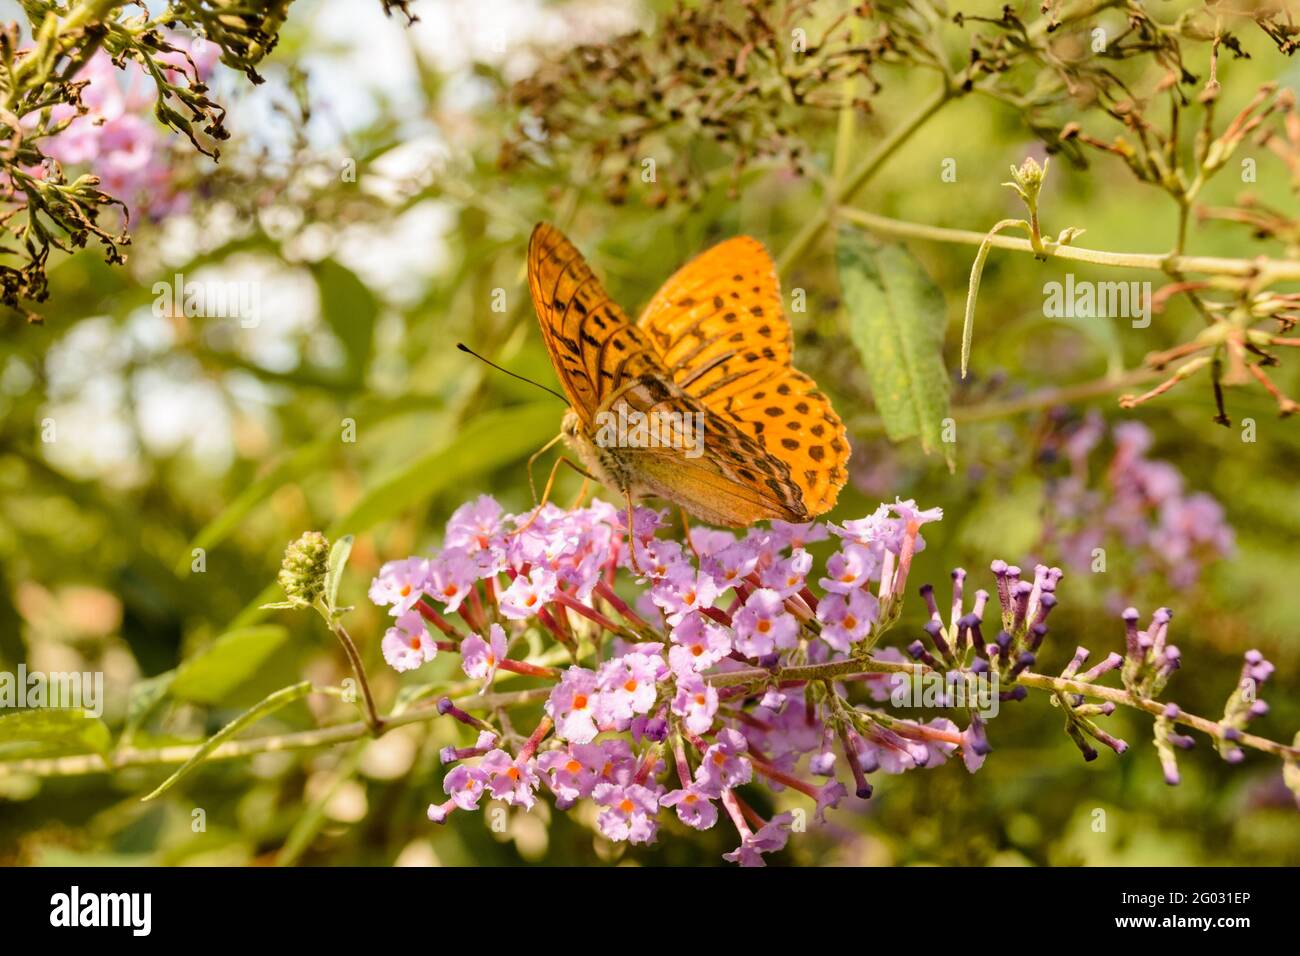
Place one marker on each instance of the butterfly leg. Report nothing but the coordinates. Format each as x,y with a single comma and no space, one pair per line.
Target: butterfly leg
686,530
546,492
582,494
538,454
631,538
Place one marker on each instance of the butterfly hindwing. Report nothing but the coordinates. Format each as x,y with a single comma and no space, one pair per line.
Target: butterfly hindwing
719,327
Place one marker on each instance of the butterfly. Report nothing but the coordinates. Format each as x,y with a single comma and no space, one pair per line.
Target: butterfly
712,347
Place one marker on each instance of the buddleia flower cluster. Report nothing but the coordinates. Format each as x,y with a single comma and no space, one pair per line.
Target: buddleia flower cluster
741,661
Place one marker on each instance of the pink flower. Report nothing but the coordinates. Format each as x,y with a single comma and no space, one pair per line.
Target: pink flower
573,773
474,526
763,624
732,564
696,703
630,812
849,569
683,590
572,705
451,576
479,659
527,595
694,808
407,645
401,584
510,778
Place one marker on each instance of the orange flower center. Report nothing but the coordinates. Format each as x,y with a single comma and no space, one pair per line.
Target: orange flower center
626,805
850,622
405,591
513,773
579,701
700,699
630,686
449,590
573,766
764,626
697,649
719,758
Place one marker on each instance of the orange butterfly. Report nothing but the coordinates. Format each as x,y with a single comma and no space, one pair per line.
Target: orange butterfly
712,348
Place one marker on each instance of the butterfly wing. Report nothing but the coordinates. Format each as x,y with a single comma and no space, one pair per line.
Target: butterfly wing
605,363
593,346
719,328
729,479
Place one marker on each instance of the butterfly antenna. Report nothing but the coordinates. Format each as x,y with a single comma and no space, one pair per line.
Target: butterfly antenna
465,348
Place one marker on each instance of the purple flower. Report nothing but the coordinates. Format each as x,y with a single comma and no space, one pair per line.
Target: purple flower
465,785
510,778
479,659
770,838
723,767
631,812
786,576
698,643
572,705
407,645
732,564
572,774
696,702
847,619
694,808
628,684
451,575
763,624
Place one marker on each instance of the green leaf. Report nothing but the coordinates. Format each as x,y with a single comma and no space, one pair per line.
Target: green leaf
896,320
334,574
214,672
50,730
487,442
350,309
145,696
281,698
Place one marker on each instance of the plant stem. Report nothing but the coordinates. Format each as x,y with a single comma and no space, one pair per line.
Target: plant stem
373,720
844,191
81,764
1263,271
1043,398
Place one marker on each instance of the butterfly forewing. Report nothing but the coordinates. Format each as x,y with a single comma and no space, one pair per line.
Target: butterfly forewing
593,346
719,326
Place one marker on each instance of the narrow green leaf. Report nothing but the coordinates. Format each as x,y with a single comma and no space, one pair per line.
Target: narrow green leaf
896,320
350,309
281,698
486,442
214,672
50,730
334,574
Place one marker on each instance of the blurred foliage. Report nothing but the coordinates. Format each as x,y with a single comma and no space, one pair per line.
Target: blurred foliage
153,465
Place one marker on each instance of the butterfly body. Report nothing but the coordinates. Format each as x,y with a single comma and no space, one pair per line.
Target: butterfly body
736,434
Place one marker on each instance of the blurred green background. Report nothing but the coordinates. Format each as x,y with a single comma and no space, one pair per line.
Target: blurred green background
178,433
